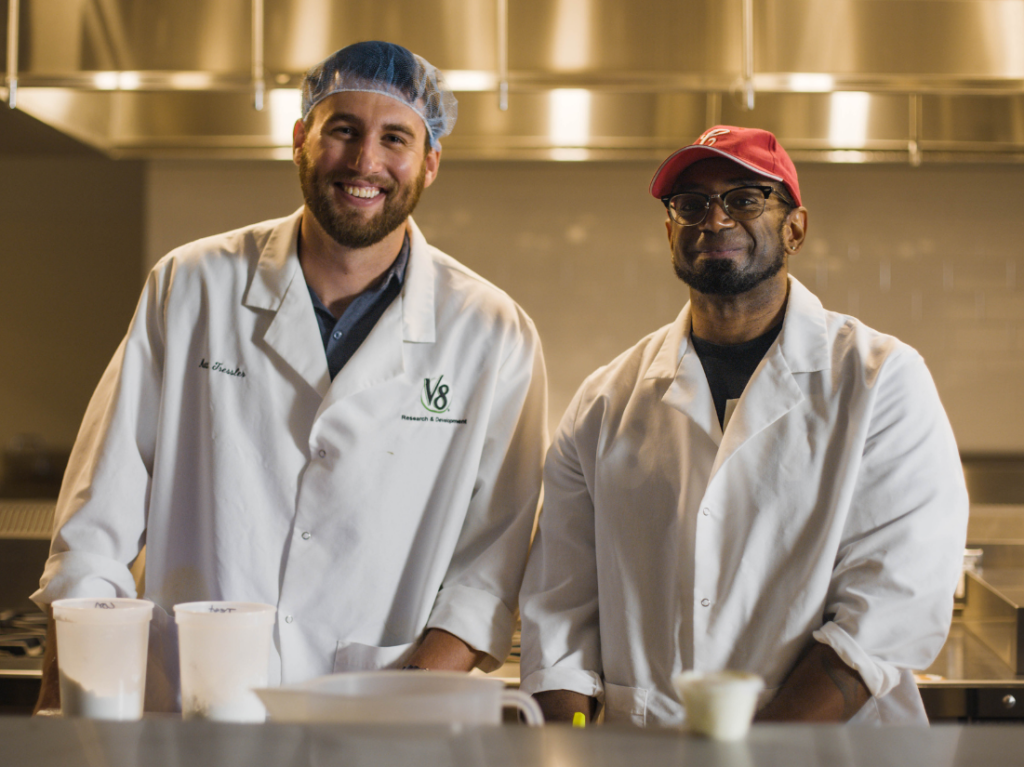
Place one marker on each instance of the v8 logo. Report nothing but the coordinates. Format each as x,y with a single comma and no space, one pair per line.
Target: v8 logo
435,399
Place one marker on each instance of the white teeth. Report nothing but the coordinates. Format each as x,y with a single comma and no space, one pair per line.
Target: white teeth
362,191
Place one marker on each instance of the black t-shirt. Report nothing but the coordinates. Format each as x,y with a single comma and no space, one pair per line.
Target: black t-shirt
728,368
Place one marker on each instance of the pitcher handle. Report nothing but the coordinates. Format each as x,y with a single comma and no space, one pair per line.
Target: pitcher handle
531,712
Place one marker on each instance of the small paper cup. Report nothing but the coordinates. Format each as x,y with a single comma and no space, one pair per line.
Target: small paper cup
719,704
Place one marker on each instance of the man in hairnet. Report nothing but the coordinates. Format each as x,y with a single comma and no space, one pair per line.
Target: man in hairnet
762,485
320,412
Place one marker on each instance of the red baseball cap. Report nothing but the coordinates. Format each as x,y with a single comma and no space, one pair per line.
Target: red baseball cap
753,148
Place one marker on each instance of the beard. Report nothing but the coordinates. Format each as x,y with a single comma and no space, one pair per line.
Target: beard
723,277
347,226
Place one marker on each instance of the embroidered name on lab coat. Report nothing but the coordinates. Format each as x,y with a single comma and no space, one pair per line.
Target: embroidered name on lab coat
220,367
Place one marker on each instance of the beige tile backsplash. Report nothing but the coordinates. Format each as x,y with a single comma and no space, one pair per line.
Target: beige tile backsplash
931,254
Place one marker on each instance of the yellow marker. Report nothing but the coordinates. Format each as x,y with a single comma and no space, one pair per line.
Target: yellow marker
579,720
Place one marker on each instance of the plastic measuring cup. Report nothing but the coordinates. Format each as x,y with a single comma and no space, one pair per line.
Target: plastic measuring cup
719,704
224,650
399,697
102,649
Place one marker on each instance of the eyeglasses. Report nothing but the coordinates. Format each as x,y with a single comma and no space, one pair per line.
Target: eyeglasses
744,203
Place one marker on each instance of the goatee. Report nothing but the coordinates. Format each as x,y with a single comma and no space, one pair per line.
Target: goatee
723,277
720,277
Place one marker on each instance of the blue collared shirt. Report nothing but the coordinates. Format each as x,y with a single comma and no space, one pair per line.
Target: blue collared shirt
343,336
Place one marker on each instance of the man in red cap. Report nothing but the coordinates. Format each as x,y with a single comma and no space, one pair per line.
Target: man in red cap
762,485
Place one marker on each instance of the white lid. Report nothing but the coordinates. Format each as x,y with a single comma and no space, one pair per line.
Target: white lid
219,612
102,610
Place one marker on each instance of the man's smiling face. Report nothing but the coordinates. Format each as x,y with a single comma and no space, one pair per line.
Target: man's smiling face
363,162
722,256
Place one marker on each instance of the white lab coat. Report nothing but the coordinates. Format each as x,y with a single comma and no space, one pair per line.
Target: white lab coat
357,507
833,507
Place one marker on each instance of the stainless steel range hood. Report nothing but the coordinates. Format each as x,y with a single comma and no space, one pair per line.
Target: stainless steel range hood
836,80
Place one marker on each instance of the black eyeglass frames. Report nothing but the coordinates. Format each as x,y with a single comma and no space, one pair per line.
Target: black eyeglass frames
744,203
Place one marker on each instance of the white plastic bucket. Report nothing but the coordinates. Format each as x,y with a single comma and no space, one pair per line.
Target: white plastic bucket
224,651
102,648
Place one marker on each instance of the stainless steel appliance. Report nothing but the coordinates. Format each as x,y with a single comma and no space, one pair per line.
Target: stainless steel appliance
25,526
979,675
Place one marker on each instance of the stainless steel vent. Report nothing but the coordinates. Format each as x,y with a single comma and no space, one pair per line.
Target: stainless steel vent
837,80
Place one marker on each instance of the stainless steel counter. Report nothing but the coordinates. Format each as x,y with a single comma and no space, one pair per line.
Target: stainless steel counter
164,742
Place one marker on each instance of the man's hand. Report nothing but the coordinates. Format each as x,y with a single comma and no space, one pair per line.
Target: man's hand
49,691
561,705
441,651
820,688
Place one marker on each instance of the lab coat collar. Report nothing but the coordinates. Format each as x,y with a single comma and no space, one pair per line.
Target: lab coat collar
802,347
418,309
279,286
410,318
277,265
804,337
773,391
689,392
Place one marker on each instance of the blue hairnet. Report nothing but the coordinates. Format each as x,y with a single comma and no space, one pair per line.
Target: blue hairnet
388,69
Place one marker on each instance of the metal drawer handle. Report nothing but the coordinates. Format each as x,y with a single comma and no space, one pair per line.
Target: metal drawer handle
1009,701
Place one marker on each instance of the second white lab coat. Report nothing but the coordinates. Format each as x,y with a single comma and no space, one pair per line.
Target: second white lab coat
832,507
398,497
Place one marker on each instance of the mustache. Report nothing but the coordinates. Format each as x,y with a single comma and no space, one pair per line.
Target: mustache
716,242
343,178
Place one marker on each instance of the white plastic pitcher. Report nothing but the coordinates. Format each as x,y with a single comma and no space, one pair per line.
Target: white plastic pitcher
398,697
103,645
224,650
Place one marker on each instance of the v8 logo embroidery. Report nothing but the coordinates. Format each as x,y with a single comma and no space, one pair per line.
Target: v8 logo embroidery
435,399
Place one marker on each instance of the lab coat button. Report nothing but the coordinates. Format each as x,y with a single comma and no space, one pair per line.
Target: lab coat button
322,453
288,619
707,511
306,536
705,602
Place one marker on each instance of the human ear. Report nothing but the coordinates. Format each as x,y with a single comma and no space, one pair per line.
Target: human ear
795,230
432,161
298,139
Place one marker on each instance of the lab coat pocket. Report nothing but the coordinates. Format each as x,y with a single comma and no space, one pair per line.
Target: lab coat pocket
353,656
625,704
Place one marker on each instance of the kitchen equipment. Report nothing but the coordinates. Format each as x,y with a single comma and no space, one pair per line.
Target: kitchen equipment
224,652
25,528
994,612
25,525
103,649
398,697
977,675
